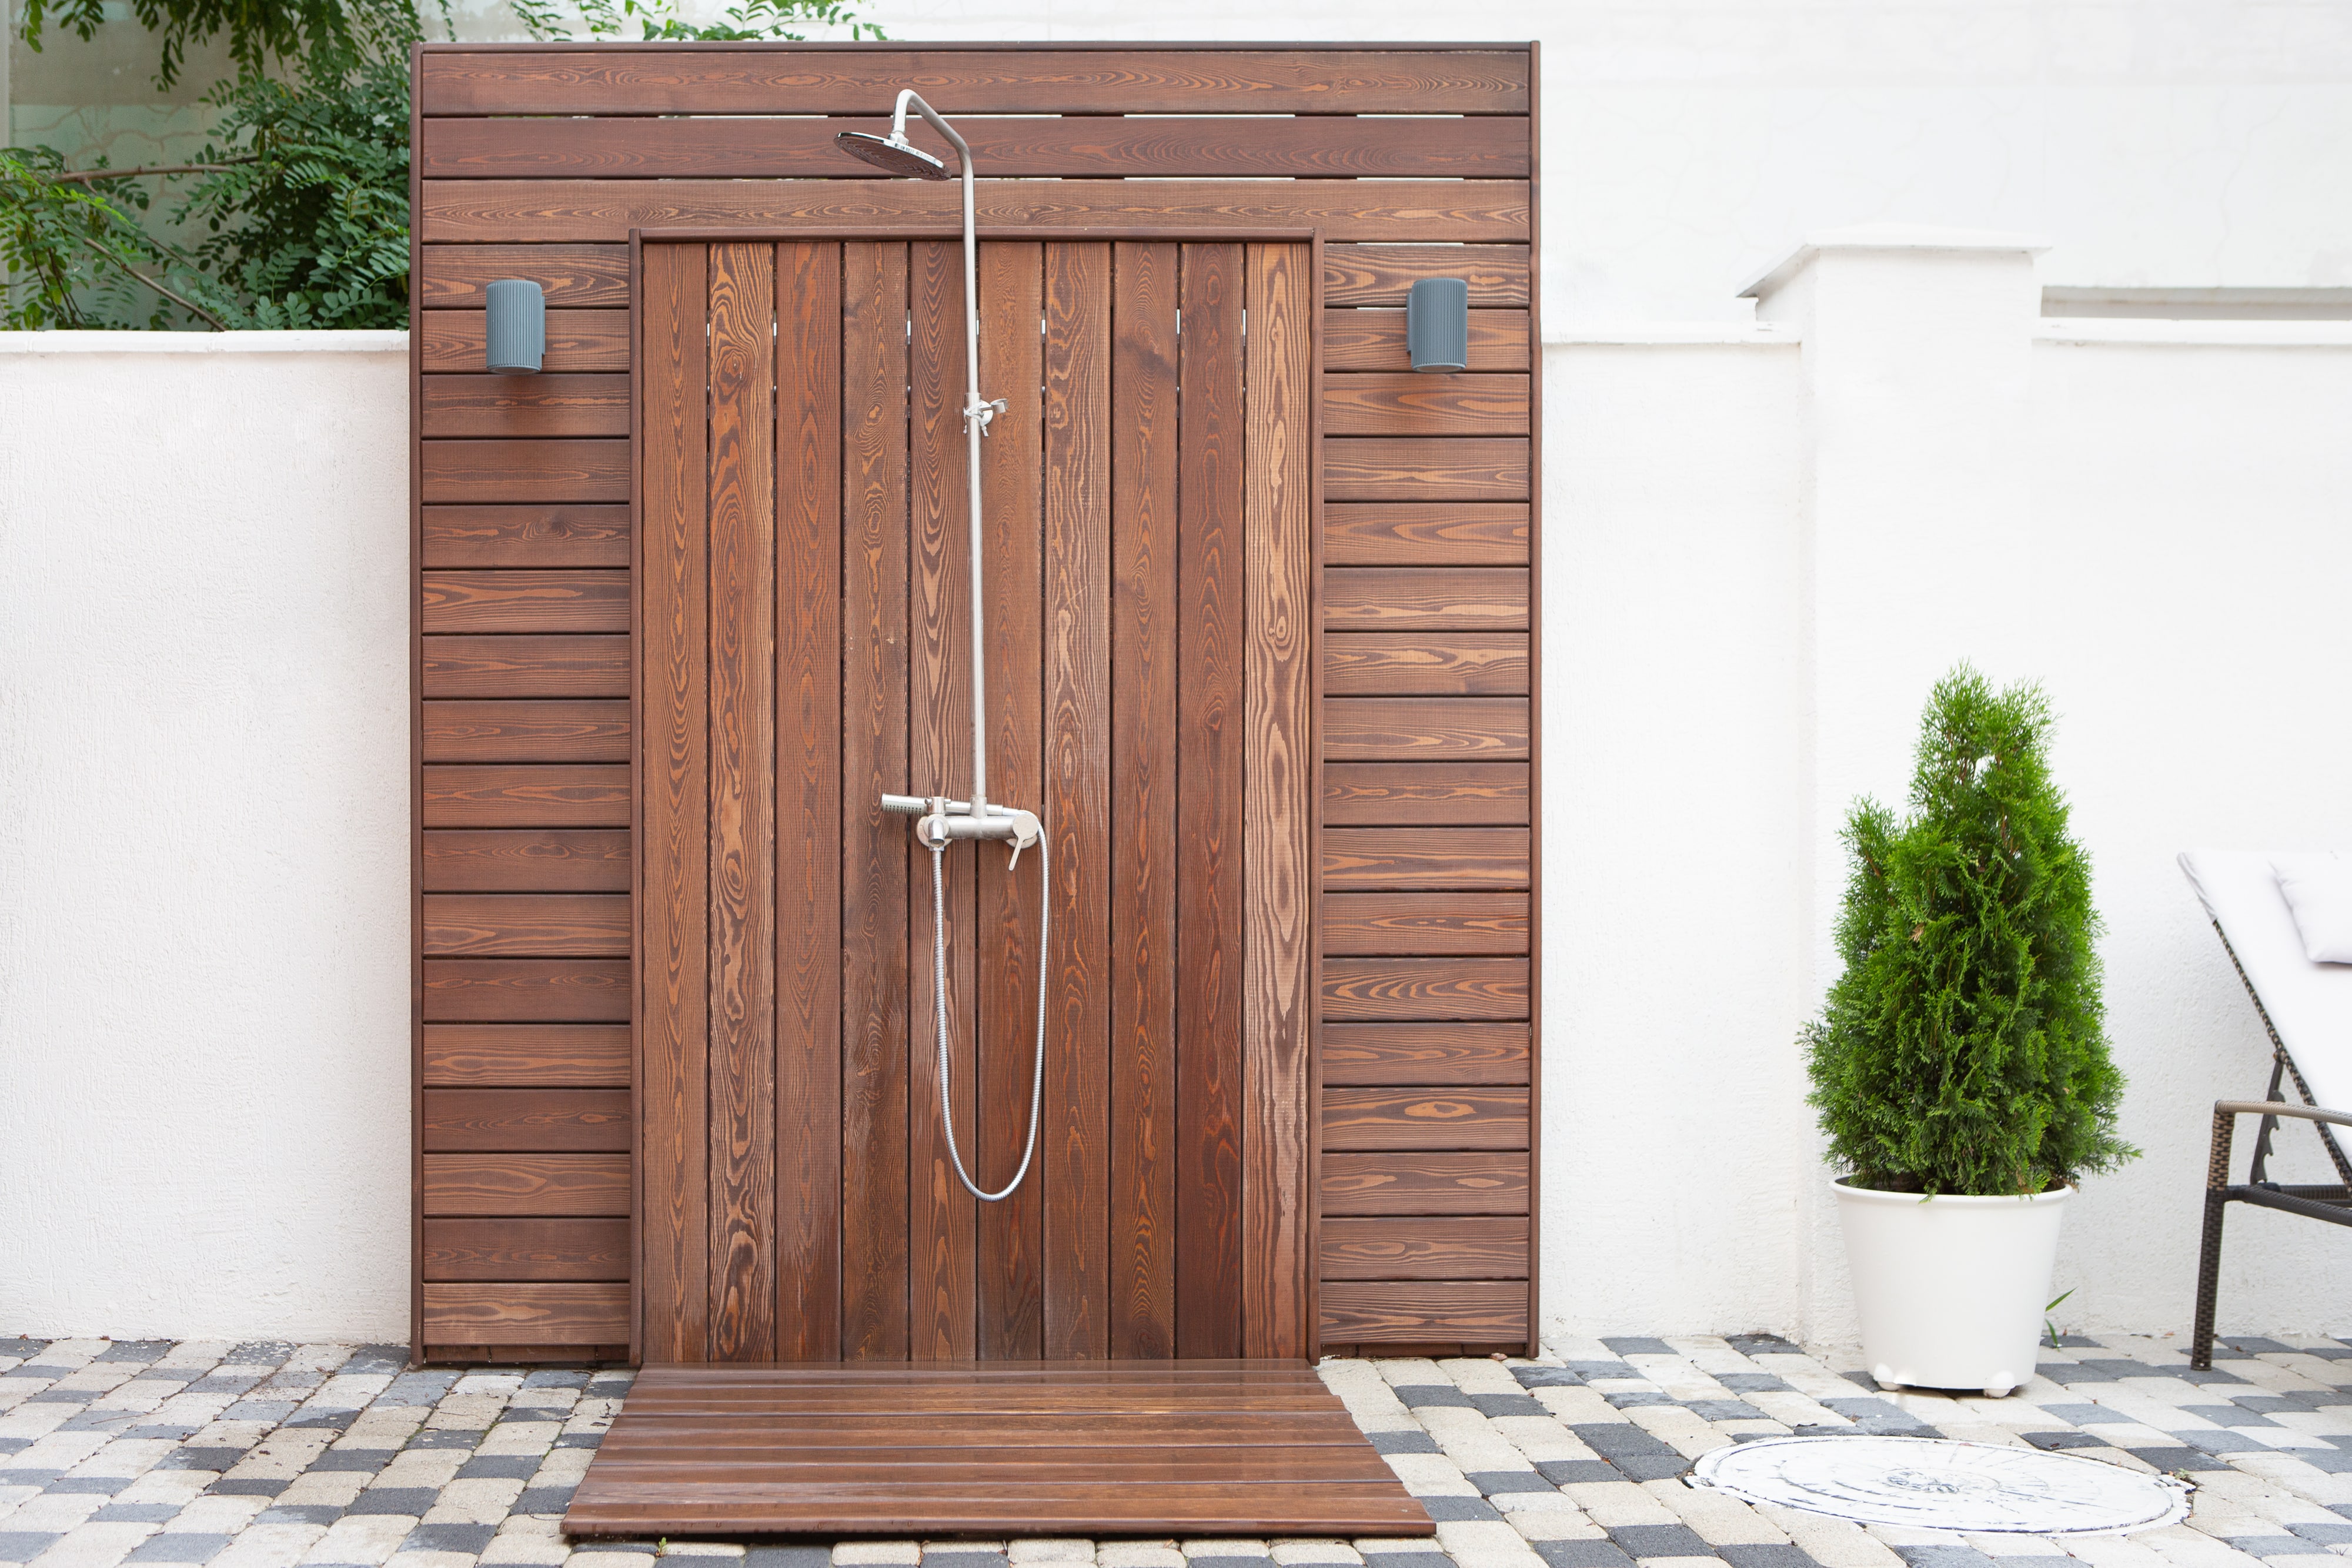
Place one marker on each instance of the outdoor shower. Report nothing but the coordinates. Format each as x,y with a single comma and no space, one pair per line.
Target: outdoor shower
940,821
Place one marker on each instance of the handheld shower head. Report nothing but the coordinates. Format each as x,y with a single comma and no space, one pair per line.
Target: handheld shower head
892,154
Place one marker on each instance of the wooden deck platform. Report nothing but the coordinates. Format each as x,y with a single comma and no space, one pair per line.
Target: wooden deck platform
989,1448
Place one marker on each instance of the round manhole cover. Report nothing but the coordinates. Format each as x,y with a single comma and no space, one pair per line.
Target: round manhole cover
1940,1483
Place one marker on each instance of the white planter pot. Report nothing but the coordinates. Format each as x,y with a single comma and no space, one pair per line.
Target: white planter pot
1951,1289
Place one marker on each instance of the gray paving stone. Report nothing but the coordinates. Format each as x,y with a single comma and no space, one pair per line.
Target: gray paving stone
543,1499
376,1359
136,1514
2224,1442
1611,1439
1589,1370
1943,1557
298,1513
2084,1415
1396,1560
1267,1562
87,1486
258,1352
1507,1404
348,1460
467,1538
200,1458
2268,1546
2182,1459
500,1466
1546,1377
1638,1346
1659,1540
1403,1443
1761,1344
579,1439
445,1438
27,1348
1494,1483
23,1545
788,1557
1766,1554
1459,1510
246,1486
1651,1466
1633,1398
1578,1472
2064,1439
951,1559
394,1499
1726,1410
2233,1415
2331,1534
178,1546
1752,1383
142,1350
1424,1396
1581,1554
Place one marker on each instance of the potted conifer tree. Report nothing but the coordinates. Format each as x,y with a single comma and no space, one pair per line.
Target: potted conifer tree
1960,1065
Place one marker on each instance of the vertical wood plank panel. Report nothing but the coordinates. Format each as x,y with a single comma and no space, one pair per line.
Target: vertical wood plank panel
1074,1163
874,847
1141,842
1277,932
742,806
808,801
673,1147
1209,800
1012,1233
941,1220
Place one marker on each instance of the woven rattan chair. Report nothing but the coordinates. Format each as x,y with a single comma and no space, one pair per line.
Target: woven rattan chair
2307,1008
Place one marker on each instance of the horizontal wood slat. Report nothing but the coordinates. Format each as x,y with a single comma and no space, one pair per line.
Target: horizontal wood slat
1414,858
1426,468
1422,793
526,601
552,860
1374,340
1365,1054
1406,1181
1409,533
566,210
527,1121
526,990
710,147
529,924
1382,1119
526,1314
1473,923
1425,599
1417,664
1396,729
1450,1248
457,341
526,1055
526,470
565,731
1419,1312
527,1185
1382,274
526,667
700,79
1409,989
553,535
528,795
1401,402
538,405
526,1250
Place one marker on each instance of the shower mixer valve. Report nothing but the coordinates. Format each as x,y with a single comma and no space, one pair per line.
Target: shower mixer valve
941,821
985,413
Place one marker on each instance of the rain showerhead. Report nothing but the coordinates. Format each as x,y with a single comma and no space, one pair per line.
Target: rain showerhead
892,155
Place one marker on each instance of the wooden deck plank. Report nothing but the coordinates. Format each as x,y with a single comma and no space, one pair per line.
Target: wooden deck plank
946,1447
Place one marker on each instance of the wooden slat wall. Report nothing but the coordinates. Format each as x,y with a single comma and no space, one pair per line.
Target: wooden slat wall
537,163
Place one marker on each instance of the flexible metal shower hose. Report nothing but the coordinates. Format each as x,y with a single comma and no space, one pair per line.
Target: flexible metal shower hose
940,1006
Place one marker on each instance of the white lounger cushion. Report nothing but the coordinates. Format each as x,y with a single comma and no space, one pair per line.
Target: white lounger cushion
2309,1004
2318,890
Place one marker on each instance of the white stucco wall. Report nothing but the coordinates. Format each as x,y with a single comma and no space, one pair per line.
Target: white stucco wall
204,835
1763,543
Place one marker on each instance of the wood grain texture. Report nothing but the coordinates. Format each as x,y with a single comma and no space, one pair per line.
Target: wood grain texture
525,1185
526,990
565,730
807,844
528,795
874,851
1426,468
526,1055
1422,794
606,210
1403,1182
692,79
553,534
525,601
1363,1055
1414,664
1423,1119
1452,1248
674,1143
457,341
1414,858
1424,988
1374,340
1426,923
1382,274
526,667
531,860
1425,598
488,405
548,1314
1146,401
535,1250
1210,799
1011,1266
1279,879
746,939
1400,729
525,470
493,925
1411,533
711,148
1418,1312
572,277
1401,402
1075,1168
548,1121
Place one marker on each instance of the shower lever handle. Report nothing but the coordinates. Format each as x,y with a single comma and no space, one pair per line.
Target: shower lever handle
984,410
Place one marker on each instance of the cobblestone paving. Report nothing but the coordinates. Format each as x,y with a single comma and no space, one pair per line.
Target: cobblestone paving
267,1455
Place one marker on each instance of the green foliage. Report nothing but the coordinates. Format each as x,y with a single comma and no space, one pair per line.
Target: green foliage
78,255
261,33
658,20
1962,1050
